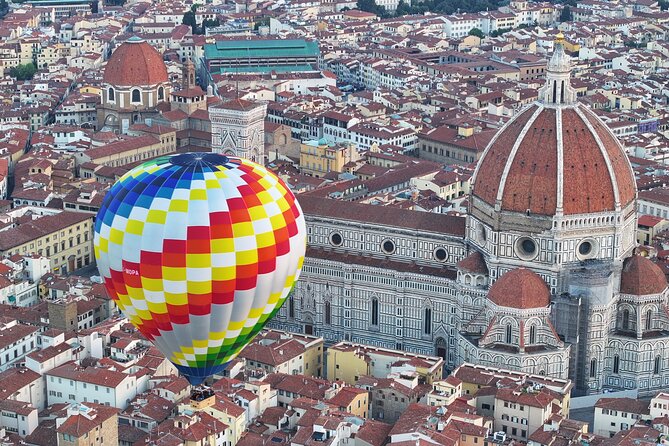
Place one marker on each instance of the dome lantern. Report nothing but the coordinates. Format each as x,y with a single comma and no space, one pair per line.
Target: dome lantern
558,89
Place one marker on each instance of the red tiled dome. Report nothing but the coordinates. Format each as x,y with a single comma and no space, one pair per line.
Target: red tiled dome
473,263
520,288
640,276
135,63
519,169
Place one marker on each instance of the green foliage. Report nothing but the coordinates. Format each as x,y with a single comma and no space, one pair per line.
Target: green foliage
3,5
664,4
23,72
263,21
210,23
565,15
476,32
403,9
189,19
194,7
499,32
371,6
437,6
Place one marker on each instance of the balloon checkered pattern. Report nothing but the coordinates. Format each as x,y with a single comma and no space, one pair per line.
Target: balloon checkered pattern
199,251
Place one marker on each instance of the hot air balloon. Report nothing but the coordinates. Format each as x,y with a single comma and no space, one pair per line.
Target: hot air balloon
199,251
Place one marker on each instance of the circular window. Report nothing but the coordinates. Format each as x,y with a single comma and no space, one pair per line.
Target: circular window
526,248
441,254
388,247
336,239
587,249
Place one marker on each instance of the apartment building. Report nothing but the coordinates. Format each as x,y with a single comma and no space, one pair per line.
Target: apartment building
72,383
65,238
16,341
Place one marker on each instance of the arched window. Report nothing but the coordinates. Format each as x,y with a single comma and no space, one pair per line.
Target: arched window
161,93
533,334
626,319
328,313
291,306
593,368
375,311
427,321
136,96
649,319
110,94
657,365
616,364
508,333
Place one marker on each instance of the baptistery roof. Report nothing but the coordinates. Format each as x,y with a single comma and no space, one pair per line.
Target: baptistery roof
555,156
135,63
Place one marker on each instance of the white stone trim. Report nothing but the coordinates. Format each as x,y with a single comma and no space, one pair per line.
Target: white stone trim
560,161
512,155
607,160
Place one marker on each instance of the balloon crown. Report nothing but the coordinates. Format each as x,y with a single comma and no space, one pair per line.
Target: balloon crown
192,159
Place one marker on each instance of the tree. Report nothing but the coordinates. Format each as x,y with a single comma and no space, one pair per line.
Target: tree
403,9
499,32
664,4
565,15
476,32
189,19
371,6
210,23
23,72
263,21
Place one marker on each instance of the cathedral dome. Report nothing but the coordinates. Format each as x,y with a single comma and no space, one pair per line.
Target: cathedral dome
555,157
135,63
520,288
640,277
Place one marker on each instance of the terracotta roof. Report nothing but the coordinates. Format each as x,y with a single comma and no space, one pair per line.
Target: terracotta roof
374,433
10,335
78,425
631,405
40,227
135,63
90,375
520,288
237,104
532,176
474,263
382,215
346,396
641,276
273,354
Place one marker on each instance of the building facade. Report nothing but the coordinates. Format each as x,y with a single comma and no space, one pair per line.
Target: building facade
135,85
65,238
553,205
238,129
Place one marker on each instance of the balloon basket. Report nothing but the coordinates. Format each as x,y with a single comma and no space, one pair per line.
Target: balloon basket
201,394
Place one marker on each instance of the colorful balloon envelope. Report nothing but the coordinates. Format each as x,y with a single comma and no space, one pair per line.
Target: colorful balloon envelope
199,251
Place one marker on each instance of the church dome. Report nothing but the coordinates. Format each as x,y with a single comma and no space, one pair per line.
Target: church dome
135,63
640,277
520,288
555,157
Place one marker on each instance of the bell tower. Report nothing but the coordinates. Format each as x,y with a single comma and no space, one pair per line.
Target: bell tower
188,75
